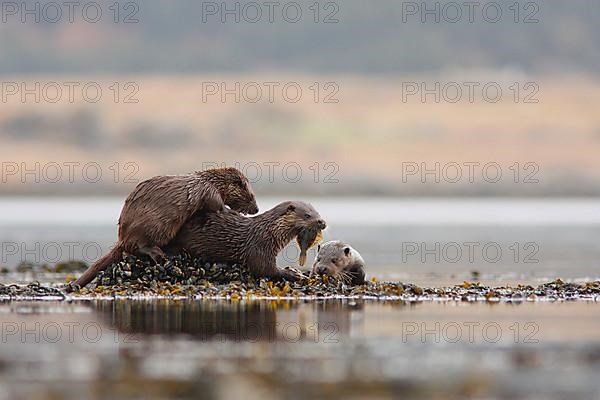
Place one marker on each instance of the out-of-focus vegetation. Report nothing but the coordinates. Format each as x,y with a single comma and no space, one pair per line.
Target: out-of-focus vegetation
170,130
368,134
369,37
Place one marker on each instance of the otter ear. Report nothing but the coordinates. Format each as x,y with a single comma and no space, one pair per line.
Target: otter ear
291,207
347,250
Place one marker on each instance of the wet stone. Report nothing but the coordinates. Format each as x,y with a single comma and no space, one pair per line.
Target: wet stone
32,291
70,266
180,269
191,277
33,268
184,275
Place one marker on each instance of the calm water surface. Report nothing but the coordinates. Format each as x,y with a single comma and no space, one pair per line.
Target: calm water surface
272,350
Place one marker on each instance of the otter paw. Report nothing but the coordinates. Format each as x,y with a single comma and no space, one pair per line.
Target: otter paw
291,274
158,256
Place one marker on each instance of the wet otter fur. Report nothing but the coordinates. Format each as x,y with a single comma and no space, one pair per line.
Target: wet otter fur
251,241
158,207
339,260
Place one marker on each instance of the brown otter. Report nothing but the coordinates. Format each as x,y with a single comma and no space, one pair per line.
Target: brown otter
158,207
251,241
339,259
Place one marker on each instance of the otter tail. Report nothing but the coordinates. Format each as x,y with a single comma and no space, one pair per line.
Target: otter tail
113,256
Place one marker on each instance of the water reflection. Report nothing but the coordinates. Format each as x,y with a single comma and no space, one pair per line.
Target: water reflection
361,347
237,321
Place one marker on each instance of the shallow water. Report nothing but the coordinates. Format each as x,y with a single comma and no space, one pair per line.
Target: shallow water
270,350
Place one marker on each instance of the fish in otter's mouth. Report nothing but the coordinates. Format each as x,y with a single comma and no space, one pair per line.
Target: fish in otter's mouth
307,239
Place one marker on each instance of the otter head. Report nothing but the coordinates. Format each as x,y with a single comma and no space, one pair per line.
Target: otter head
235,189
339,260
298,215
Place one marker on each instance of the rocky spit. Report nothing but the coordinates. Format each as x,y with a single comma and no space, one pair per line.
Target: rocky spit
183,276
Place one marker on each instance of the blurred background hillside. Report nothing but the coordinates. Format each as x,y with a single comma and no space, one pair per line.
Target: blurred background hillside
164,69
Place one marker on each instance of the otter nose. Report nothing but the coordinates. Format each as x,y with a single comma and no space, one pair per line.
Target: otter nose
322,270
322,224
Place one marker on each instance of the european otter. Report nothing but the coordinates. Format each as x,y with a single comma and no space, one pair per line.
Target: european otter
251,241
158,207
339,259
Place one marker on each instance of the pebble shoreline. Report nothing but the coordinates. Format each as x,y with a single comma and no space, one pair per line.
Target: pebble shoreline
185,277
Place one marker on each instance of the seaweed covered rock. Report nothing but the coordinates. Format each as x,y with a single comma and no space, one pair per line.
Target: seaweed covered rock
31,291
327,288
180,269
42,268
31,267
244,288
69,267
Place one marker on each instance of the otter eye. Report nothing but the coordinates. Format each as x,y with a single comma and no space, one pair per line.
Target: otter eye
307,216
318,259
334,260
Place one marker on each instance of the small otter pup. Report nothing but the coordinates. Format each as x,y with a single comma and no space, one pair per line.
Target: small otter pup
158,207
251,241
339,259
